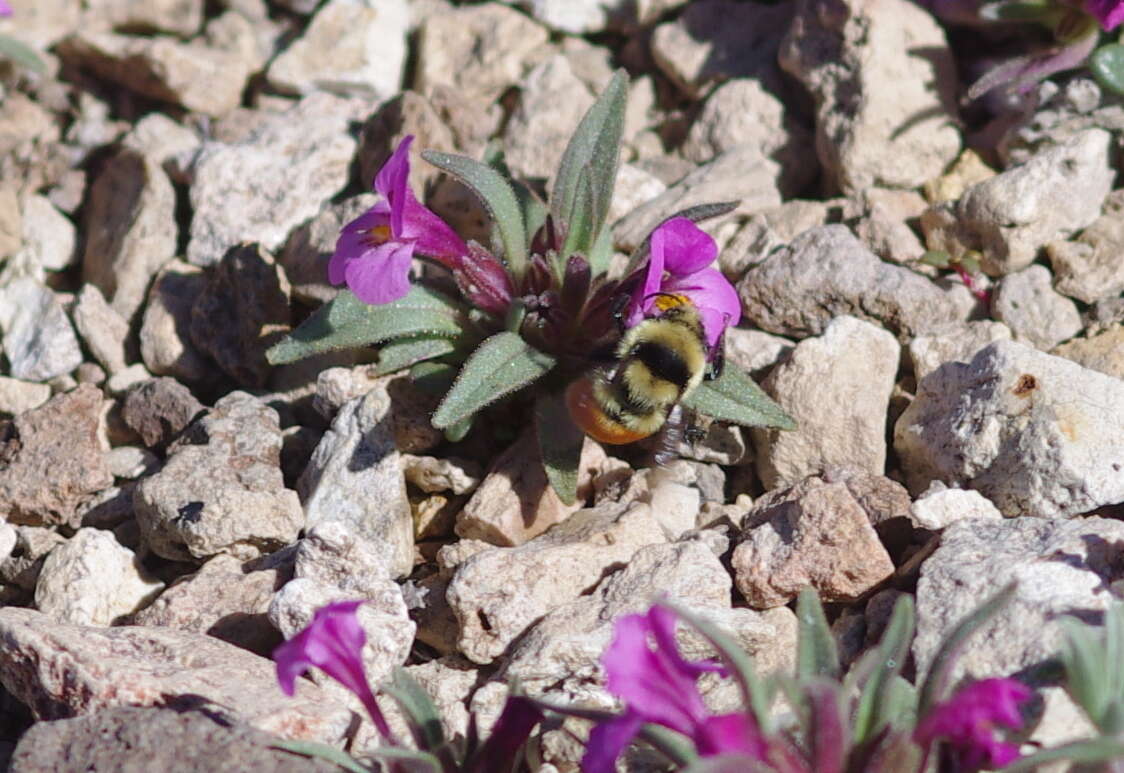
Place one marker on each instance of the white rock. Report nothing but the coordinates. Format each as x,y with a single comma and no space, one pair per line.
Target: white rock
498,592
957,342
244,192
1060,566
39,341
18,396
48,235
939,506
551,102
884,83
634,187
331,553
1010,216
837,388
355,476
91,579
1088,268
351,47
1037,314
102,328
1036,434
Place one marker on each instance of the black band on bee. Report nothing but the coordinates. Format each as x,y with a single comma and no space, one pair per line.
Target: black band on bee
663,362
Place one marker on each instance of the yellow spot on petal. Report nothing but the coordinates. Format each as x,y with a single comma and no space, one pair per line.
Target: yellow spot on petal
666,301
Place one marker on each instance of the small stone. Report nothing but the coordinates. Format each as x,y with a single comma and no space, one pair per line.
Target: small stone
1102,352
130,224
837,388
307,252
497,593
159,409
349,48
120,383
813,534
430,474
242,310
38,339
765,231
132,738
91,579
131,462
355,476
102,328
1061,567
408,114
48,235
226,598
163,68
167,142
165,335
335,554
634,186
61,670
825,273
53,460
1036,314
43,23
243,191
1008,218
551,100
742,112
1037,435
17,396
221,489
1088,268
716,40
967,170
884,224
742,174
25,560
515,503
478,49
957,342
940,506
580,17
867,134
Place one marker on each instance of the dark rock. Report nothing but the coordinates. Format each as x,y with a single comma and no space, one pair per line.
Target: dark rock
159,409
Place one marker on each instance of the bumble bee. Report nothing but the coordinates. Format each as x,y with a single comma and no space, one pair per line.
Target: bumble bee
658,362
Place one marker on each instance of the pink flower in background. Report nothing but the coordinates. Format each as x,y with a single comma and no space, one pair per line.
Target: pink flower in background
967,722
5,9
1110,13
332,642
374,251
658,686
679,263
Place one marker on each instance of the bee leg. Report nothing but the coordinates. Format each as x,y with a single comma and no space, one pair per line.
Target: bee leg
716,364
694,434
620,303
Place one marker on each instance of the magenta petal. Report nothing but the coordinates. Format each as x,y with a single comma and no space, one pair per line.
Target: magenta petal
607,741
332,638
1110,13
5,9
687,248
392,182
381,275
433,236
730,734
714,296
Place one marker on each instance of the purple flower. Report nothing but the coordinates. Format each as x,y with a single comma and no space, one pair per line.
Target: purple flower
679,264
333,642
5,8
967,720
1110,13
373,251
658,686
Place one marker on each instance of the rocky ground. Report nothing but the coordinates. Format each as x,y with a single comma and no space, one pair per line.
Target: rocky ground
171,189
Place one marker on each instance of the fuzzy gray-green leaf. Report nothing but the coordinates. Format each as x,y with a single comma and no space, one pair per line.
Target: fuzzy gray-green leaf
816,654
581,228
23,55
323,751
346,322
498,197
871,714
405,352
503,364
734,397
596,144
560,444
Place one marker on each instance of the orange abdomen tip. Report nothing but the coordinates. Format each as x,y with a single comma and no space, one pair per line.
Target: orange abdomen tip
592,419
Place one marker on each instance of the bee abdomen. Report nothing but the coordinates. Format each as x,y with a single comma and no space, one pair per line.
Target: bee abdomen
663,362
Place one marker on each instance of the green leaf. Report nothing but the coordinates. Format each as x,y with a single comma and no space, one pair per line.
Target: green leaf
1086,752
816,654
727,763
433,378
734,397
321,750
936,258
1107,64
595,146
405,352
503,364
601,253
407,760
346,322
940,670
581,229
422,716
560,444
1015,12
675,746
21,54
1094,676
755,693
872,713
498,198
